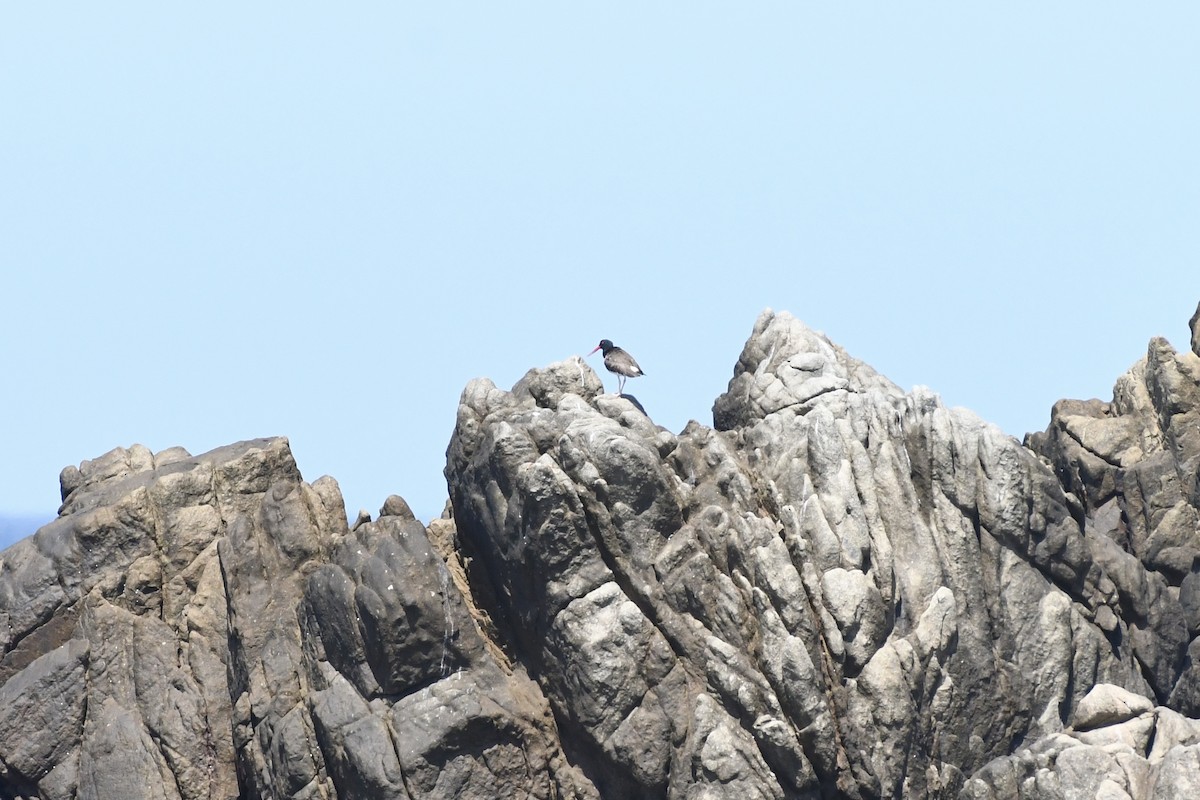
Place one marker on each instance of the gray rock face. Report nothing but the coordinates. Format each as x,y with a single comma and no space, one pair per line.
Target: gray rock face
1132,468
839,590
1118,745
208,627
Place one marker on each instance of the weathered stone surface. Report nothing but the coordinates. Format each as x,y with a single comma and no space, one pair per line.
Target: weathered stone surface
208,627
1106,704
944,594
127,576
890,551
1121,746
841,589
41,716
1134,465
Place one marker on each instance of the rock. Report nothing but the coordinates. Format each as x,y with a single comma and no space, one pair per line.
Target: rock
841,589
857,606
1152,754
466,737
41,716
385,612
1135,465
396,506
892,542
1178,775
207,627
1194,324
1106,704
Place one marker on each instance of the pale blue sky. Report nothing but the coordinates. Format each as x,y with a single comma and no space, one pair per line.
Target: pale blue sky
220,221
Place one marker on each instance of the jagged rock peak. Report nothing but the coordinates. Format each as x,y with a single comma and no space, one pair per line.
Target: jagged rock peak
786,365
838,590
867,560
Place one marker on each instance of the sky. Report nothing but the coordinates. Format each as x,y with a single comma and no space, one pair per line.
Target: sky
222,221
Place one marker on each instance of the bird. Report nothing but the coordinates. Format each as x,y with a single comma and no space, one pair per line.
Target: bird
618,362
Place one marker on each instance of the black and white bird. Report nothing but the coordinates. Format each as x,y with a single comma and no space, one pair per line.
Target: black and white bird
618,362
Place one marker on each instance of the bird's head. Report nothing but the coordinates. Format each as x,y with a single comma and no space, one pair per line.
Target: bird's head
604,345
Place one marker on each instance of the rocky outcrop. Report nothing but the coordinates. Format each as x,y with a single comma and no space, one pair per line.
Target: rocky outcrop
1132,469
208,627
1118,746
856,590
841,589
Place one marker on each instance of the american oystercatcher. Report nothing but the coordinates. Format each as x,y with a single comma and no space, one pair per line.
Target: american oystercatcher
618,362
